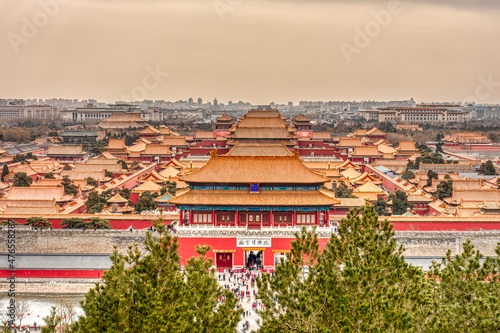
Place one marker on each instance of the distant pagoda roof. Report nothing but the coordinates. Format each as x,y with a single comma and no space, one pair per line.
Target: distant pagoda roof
262,124
278,149
118,199
224,119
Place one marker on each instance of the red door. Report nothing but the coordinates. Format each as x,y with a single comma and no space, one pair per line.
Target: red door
224,260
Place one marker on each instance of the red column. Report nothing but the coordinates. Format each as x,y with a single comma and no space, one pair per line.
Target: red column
190,217
236,218
294,221
180,218
213,218
317,217
327,218
271,218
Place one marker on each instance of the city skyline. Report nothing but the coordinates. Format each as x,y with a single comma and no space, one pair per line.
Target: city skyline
259,51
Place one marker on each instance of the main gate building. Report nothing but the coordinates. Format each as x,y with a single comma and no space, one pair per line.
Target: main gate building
248,207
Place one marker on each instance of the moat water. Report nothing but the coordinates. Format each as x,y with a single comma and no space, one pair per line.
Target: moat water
40,305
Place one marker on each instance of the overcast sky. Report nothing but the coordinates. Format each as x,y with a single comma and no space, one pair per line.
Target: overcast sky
252,50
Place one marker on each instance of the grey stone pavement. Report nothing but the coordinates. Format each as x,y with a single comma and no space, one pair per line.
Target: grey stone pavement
240,280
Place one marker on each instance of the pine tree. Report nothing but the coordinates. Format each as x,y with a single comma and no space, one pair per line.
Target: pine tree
5,171
52,321
444,190
94,203
146,202
343,191
39,222
407,175
430,176
381,206
93,182
400,202
487,168
148,292
49,175
360,283
466,292
69,187
21,179
73,223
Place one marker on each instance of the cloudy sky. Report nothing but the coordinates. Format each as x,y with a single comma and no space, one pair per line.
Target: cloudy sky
252,50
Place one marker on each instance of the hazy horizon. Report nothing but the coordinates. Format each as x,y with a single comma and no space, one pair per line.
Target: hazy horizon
257,51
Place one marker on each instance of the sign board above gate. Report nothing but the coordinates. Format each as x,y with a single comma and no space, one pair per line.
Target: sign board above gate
259,242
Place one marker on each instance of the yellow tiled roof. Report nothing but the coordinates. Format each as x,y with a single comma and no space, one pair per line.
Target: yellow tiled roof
147,186
350,173
254,169
264,198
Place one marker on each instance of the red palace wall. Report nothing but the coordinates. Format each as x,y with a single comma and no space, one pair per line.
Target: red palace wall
57,274
118,224
187,248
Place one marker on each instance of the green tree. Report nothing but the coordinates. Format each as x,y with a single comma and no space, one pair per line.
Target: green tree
487,168
73,223
400,202
98,223
5,171
432,158
430,176
418,160
387,127
108,174
360,283
52,322
21,179
439,148
146,202
69,187
407,175
466,292
66,167
93,182
39,222
94,203
410,165
444,190
381,206
342,191
78,223
148,292
125,193
170,187
49,175
123,164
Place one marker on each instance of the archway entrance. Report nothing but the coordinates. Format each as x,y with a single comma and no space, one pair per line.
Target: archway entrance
254,259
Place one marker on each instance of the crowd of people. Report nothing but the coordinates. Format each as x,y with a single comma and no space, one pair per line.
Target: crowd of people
244,287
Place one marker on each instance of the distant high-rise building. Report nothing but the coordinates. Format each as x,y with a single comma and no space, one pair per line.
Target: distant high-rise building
30,111
200,101
18,102
216,103
190,100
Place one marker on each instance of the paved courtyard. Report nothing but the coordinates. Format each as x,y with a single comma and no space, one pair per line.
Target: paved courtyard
243,282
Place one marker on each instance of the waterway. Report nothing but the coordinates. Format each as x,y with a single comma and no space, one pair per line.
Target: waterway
40,305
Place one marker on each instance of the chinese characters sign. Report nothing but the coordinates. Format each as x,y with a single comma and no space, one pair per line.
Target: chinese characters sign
259,242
